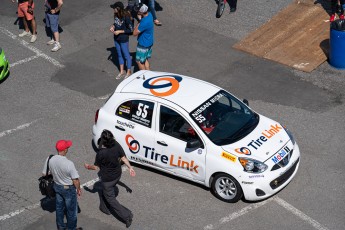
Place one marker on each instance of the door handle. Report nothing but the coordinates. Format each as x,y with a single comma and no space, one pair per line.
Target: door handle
162,143
120,128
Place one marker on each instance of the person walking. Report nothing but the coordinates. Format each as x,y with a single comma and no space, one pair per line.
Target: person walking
153,12
52,12
66,186
108,162
144,30
121,29
26,13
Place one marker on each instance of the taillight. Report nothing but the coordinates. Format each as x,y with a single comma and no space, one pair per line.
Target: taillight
96,116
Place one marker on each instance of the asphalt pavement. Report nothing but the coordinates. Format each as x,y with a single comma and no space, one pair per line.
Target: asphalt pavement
51,96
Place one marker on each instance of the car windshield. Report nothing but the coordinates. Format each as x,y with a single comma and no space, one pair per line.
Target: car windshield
224,119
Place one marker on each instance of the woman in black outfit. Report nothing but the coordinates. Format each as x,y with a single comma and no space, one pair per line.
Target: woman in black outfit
335,7
108,162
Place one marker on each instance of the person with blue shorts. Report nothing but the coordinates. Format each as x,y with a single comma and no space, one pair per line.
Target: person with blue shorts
52,13
144,30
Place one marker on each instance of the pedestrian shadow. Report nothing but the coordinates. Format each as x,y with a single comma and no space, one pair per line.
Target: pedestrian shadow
113,57
48,204
158,7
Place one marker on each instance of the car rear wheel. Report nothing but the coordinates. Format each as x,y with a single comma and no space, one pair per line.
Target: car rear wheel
226,188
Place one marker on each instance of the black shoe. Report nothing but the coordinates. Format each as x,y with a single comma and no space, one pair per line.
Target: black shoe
232,10
80,228
129,221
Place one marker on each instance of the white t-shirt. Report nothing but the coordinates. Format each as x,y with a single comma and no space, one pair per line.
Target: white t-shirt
62,169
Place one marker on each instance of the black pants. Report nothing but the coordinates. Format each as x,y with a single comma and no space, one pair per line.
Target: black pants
108,200
334,6
232,3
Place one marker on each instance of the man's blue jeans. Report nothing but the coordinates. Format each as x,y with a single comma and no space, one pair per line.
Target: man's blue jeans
66,201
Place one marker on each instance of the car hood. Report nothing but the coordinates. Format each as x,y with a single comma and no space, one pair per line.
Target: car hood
262,143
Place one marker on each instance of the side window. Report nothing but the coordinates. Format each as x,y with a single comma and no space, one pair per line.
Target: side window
139,111
173,124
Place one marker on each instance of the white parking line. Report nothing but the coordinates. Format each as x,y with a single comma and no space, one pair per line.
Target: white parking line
4,133
30,207
252,207
300,214
235,215
24,61
17,212
34,49
104,97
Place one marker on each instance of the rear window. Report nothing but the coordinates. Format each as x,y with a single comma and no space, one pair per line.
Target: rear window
138,111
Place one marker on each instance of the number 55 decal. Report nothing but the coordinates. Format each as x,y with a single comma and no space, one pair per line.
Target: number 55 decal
142,110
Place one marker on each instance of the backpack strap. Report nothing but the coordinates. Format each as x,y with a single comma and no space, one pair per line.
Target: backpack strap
48,164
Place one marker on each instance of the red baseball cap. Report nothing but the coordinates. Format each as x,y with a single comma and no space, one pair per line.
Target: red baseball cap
61,145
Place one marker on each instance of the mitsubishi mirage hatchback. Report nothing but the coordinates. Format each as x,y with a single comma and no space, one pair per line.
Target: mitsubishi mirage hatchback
198,131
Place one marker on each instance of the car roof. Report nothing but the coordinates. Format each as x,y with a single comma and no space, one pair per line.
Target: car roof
184,91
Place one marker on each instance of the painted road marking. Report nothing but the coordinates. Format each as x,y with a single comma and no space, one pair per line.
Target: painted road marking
24,61
235,215
32,48
4,133
104,97
30,207
252,207
299,214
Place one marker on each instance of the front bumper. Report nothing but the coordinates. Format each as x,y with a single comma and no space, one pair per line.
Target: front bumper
4,70
271,182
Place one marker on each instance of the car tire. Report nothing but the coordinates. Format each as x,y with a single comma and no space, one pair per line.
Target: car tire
226,188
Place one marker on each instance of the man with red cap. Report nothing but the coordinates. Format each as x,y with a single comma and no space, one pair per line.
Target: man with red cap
66,185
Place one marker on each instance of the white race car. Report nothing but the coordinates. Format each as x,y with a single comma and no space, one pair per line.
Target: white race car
198,131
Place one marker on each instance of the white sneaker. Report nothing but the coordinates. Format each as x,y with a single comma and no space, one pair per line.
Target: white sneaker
25,33
33,38
56,47
51,42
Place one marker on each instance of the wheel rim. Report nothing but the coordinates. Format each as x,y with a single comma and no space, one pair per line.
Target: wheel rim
226,188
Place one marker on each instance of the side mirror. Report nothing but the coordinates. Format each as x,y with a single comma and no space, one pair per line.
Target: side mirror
245,101
192,144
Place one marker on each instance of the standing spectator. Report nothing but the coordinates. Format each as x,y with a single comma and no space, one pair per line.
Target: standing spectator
335,8
108,162
144,30
121,29
153,12
26,12
66,186
52,12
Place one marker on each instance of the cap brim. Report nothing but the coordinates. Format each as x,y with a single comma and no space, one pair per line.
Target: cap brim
68,143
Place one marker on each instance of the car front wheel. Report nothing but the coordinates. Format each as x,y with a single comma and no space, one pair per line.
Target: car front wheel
226,188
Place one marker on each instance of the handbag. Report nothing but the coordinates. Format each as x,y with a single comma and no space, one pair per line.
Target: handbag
46,183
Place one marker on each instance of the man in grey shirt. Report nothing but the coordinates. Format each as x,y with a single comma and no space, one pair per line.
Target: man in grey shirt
66,185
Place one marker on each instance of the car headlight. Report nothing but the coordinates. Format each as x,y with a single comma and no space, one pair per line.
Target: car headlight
290,135
251,165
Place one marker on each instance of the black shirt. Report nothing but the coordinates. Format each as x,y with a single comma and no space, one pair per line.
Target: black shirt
108,160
